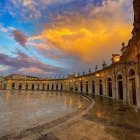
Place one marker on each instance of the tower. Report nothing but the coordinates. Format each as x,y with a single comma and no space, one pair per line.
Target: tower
136,6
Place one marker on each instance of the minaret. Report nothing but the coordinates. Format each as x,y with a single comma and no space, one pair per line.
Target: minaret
136,6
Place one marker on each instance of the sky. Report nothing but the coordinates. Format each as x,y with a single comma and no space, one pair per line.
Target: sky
48,38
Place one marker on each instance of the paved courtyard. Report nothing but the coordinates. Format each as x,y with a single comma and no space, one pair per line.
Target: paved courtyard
22,110
107,120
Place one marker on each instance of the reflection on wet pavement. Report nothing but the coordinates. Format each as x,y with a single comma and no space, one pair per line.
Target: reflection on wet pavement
107,120
21,110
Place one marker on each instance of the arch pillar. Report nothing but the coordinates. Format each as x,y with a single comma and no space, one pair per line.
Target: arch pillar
90,86
23,86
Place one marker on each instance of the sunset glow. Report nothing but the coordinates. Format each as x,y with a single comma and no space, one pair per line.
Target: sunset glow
55,37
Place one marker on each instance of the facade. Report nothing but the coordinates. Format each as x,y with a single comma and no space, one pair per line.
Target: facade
120,80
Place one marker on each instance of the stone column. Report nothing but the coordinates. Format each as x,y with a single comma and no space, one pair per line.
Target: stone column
16,86
35,86
90,86
23,86
96,86
40,86
8,85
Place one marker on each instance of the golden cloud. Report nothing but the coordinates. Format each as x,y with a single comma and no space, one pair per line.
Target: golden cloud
86,37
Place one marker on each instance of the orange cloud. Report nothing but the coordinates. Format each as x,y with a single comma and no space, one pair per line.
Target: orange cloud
100,33
90,41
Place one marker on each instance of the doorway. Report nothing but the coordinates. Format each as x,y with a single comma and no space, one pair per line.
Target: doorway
109,81
93,87
120,87
20,86
133,91
86,87
100,87
81,86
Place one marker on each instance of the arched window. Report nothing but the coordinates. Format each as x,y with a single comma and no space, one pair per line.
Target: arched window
109,80
131,73
100,81
13,85
119,77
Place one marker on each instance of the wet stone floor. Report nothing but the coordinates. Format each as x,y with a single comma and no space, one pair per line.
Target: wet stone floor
107,120
21,110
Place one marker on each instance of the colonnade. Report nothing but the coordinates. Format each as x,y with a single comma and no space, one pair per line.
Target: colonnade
119,86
